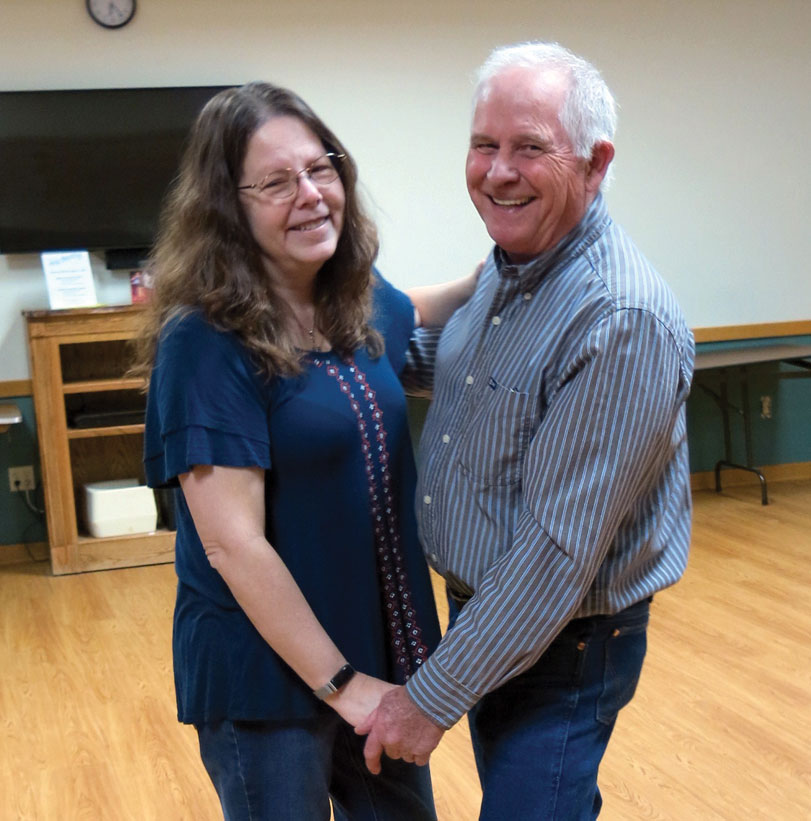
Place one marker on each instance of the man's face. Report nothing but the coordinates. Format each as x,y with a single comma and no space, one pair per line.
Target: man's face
522,174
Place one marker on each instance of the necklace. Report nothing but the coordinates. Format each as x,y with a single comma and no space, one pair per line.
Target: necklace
310,332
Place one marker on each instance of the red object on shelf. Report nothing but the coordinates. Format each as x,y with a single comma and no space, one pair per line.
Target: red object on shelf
140,287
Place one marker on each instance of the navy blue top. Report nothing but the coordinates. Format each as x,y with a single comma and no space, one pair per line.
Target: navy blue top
339,492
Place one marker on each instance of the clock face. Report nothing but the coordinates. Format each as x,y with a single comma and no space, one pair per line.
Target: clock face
111,14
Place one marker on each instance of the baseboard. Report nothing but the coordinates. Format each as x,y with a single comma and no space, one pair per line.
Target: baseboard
18,553
15,387
762,330
732,478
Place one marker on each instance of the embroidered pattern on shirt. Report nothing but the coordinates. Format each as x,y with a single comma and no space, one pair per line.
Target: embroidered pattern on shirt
409,651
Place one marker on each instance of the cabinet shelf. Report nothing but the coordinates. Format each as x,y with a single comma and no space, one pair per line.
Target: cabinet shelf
132,550
98,385
111,430
78,361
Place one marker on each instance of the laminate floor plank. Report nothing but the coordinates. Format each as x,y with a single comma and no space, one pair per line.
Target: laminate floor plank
720,727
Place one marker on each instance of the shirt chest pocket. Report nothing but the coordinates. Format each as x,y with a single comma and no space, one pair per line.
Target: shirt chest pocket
496,436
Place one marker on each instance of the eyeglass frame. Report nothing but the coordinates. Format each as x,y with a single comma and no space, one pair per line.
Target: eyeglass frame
330,155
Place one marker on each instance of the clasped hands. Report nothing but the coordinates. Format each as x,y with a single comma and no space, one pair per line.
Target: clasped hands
394,726
398,728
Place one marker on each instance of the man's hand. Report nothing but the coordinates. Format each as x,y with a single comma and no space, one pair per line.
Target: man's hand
400,729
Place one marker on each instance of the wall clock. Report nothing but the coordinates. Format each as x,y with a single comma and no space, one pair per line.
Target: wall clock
111,14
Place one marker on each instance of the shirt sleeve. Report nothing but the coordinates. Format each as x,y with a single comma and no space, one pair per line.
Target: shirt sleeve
418,374
602,444
393,317
206,404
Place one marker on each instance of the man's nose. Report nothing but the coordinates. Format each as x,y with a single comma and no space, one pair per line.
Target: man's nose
502,168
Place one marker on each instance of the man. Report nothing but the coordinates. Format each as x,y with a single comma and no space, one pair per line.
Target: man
554,495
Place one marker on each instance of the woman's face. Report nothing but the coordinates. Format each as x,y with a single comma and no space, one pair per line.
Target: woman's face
300,233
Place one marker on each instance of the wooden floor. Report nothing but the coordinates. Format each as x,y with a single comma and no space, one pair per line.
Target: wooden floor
720,727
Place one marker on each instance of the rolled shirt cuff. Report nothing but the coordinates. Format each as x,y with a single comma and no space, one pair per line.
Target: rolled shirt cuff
438,695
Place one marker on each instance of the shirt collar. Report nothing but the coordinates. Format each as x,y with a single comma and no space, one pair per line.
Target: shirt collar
529,274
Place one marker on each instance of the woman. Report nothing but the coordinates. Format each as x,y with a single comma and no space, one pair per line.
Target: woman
273,350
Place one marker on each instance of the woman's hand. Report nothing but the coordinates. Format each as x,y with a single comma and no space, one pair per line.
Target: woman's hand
358,698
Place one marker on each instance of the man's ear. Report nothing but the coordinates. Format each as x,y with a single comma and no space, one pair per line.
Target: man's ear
601,156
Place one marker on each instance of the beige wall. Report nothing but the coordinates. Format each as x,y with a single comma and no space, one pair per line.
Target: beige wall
711,177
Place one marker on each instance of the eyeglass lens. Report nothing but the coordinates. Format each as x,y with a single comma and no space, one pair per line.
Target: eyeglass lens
284,183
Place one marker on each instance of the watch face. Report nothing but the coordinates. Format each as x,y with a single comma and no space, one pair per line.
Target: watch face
111,14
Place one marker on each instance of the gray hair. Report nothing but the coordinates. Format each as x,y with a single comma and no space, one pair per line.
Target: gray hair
589,113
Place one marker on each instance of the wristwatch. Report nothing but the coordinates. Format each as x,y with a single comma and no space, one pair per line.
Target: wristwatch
336,682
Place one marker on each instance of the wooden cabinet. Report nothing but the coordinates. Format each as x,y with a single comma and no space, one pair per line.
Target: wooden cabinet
89,429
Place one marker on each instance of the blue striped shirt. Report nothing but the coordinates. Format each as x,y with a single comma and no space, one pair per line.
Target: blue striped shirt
554,474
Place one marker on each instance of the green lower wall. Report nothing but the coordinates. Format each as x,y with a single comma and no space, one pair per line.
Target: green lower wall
18,446
784,438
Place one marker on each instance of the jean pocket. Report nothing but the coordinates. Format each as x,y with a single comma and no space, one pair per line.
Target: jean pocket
624,653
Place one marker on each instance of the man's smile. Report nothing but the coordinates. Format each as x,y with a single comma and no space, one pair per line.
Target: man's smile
511,203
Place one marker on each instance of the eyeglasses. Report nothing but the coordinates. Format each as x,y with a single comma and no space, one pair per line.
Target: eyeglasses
283,184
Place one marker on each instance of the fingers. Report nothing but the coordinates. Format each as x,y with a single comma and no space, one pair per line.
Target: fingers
422,760
372,751
398,729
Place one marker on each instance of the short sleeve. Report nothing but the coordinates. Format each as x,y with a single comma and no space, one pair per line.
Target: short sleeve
206,404
393,317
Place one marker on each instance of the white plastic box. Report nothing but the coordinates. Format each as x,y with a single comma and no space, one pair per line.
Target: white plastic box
118,507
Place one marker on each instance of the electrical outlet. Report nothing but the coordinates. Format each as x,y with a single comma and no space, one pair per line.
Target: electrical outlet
765,407
21,478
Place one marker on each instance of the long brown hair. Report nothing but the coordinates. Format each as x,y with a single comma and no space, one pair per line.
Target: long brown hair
206,257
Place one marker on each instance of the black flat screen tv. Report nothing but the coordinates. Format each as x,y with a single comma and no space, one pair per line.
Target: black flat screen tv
89,168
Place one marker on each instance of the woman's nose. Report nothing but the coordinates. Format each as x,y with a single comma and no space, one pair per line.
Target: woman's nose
307,190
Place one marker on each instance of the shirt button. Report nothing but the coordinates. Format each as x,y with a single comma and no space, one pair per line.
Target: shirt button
427,500
433,557
527,297
446,438
496,320
468,380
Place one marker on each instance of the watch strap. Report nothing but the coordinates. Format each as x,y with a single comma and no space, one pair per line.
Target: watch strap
336,682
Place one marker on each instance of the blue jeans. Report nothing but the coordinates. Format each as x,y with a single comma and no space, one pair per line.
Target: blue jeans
538,739
288,771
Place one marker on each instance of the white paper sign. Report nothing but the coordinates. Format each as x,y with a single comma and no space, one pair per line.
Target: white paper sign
69,279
